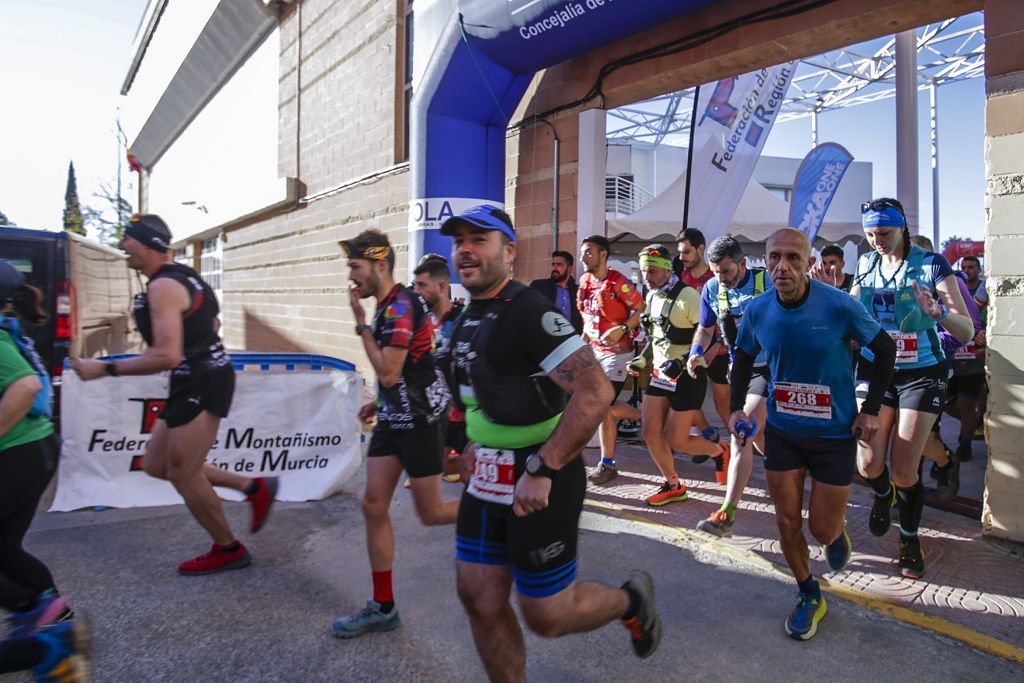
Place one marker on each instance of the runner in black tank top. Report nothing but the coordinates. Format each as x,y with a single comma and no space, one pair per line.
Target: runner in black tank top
177,316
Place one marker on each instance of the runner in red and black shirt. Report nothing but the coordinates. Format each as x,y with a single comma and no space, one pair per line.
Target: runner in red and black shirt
412,402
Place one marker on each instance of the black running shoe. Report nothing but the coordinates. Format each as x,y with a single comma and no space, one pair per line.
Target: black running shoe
947,479
881,512
645,626
911,558
965,452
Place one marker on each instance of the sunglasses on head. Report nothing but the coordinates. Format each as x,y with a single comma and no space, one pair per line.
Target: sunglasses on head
882,205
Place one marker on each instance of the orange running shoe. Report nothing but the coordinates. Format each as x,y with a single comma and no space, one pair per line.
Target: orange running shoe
722,465
668,494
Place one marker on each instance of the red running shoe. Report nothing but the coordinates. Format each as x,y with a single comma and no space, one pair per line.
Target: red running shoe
262,501
217,560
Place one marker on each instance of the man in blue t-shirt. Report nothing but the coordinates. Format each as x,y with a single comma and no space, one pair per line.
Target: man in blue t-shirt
804,330
723,301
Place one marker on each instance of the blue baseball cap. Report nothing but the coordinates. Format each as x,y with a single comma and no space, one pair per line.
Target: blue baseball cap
10,279
483,216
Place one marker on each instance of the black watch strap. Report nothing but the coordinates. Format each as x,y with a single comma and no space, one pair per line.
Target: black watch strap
535,466
111,369
360,328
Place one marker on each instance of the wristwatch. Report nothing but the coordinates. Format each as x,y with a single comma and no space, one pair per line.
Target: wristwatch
536,467
111,369
360,328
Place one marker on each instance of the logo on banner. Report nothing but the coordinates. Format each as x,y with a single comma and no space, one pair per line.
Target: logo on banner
748,120
151,409
718,108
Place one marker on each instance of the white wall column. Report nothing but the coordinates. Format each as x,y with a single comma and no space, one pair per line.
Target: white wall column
906,126
590,177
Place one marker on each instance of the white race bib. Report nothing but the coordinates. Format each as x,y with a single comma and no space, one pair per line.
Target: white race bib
804,400
660,380
494,477
906,346
965,352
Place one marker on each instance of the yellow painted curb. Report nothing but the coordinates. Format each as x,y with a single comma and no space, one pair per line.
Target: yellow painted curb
890,608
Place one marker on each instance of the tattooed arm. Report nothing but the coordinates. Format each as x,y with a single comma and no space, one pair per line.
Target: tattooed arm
590,394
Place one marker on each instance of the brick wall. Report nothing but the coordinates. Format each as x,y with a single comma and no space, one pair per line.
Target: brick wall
1003,514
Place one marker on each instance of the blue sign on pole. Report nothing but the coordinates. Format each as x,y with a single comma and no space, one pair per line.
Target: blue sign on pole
815,186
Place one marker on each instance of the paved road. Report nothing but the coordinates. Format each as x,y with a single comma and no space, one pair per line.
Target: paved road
270,622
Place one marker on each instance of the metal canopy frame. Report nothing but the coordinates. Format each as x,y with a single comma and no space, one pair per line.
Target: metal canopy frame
948,52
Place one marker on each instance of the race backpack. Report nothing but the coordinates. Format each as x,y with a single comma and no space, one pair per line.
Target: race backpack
43,405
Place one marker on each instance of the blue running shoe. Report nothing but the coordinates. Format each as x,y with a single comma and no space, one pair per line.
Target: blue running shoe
67,652
50,609
838,552
802,624
367,620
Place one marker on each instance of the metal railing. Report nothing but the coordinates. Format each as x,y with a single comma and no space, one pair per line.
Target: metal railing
623,197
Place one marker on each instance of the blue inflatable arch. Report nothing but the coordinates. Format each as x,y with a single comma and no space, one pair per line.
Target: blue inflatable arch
477,59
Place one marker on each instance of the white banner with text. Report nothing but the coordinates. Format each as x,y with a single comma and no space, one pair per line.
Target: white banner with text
301,426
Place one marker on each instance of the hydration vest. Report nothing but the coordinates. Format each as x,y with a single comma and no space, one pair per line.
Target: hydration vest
909,316
661,327
516,410
42,406
726,321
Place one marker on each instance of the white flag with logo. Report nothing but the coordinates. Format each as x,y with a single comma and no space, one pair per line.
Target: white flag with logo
735,116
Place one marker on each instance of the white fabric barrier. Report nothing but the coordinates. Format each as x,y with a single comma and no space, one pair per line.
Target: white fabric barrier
300,425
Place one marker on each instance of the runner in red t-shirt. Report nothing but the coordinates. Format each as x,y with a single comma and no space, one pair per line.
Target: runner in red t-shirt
692,269
610,305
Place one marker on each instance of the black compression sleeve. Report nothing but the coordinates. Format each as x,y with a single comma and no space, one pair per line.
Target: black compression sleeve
742,371
880,373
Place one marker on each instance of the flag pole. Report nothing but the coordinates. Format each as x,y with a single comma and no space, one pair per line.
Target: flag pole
689,158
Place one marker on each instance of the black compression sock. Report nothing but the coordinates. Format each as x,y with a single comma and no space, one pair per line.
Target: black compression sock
253,487
807,585
880,484
911,506
386,607
230,547
634,602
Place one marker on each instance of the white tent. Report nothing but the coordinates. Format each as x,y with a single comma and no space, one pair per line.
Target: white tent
759,214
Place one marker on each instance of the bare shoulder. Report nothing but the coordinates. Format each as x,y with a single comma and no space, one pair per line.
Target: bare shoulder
167,294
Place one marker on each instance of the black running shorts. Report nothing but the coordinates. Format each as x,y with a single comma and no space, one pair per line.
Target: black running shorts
540,547
420,450
689,393
617,389
970,386
456,437
830,461
192,394
921,389
718,369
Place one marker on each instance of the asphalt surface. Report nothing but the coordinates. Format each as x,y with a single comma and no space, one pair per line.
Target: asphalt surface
271,622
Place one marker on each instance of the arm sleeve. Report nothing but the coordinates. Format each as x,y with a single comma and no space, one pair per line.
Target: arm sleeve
739,384
880,373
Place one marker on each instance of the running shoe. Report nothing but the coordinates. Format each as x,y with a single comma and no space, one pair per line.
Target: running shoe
50,609
711,434
217,560
911,558
722,465
407,484
367,620
965,452
262,501
66,659
979,433
934,471
668,494
881,512
718,524
451,478
947,479
838,552
603,474
645,626
811,608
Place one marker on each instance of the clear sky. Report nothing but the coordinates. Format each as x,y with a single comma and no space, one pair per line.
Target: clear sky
63,62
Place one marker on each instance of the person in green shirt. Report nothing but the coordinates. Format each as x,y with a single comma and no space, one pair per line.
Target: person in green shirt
45,635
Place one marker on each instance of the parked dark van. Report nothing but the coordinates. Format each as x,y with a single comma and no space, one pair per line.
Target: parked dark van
87,288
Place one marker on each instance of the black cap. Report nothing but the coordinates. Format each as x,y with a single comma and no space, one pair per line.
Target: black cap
10,279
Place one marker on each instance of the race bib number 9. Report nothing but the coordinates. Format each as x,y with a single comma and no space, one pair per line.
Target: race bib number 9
906,346
494,477
804,400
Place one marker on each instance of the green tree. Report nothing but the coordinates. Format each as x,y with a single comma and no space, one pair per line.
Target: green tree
108,216
72,211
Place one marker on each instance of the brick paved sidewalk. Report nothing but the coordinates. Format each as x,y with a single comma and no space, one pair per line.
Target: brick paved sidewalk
970,580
